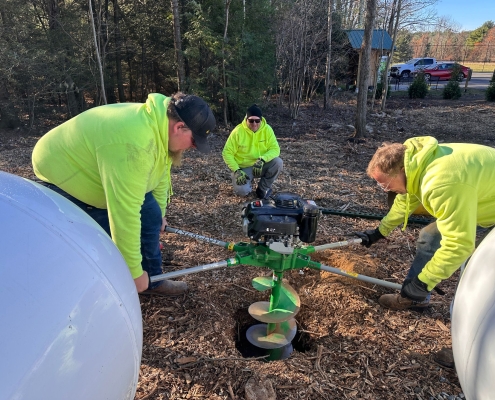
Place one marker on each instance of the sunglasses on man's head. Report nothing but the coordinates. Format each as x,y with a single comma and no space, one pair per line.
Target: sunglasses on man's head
254,121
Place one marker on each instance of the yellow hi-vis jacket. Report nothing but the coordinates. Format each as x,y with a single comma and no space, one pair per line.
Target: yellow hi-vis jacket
109,157
244,147
455,183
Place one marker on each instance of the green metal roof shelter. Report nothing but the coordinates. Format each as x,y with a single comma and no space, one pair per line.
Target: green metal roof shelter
381,40
381,44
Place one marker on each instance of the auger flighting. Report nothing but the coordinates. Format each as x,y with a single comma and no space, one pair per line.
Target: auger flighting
280,229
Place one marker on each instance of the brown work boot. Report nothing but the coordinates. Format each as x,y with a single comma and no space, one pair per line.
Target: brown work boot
444,357
168,288
397,302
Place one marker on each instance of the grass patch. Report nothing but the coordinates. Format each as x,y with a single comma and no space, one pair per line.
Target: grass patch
481,67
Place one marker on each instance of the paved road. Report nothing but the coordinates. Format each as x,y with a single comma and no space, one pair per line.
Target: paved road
479,80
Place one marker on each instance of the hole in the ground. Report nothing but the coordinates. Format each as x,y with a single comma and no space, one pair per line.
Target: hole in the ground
302,342
243,321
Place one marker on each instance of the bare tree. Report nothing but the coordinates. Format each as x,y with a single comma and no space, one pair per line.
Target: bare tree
364,68
326,102
179,57
118,51
302,48
391,55
9,118
351,12
224,61
97,51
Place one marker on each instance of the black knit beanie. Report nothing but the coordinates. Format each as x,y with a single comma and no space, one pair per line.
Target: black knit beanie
254,111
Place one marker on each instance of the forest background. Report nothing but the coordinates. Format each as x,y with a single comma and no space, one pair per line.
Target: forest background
63,56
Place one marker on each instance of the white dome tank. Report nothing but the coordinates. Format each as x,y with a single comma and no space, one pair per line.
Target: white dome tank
70,318
473,324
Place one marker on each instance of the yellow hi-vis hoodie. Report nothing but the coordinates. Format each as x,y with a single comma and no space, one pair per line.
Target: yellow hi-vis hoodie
455,184
244,147
109,157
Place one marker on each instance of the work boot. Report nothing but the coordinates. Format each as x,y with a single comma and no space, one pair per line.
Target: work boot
444,357
397,302
261,193
168,288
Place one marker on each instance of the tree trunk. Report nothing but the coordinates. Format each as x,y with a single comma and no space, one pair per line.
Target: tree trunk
392,17
179,56
224,56
118,51
298,67
389,60
74,97
53,14
97,51
364,68
9,117
326,102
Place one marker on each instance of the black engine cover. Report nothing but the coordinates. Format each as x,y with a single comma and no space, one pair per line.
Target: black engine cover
281,215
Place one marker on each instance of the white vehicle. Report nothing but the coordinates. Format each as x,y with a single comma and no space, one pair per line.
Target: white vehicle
406,69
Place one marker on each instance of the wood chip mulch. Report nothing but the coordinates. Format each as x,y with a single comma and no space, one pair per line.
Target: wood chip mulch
347,347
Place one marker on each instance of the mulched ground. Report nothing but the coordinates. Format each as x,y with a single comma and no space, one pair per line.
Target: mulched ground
348,347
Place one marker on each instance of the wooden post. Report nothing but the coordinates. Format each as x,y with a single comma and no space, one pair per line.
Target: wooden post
358,73
467,80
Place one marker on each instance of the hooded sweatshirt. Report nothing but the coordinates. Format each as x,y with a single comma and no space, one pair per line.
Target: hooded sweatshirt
109,157
455,182
244,147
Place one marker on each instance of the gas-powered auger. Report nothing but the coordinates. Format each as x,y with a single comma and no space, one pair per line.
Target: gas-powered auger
278,228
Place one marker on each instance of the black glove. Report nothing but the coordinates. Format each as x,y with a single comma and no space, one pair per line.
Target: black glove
369,237
414,289
240,177
258,167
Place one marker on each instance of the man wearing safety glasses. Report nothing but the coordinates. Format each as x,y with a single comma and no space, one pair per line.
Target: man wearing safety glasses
454,183
252,151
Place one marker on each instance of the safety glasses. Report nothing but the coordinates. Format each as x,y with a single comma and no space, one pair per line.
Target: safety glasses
384,187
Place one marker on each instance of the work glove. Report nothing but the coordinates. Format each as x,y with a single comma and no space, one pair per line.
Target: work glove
414,289
258,167
369,237
240,177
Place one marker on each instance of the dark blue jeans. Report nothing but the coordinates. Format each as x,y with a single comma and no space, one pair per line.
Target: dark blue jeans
151,223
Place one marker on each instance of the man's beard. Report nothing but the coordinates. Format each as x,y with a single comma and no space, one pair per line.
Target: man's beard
176,157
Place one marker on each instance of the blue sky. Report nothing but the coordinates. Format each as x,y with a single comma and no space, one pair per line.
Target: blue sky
469,14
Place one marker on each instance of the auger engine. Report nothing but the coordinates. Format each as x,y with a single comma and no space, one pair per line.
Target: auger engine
284,217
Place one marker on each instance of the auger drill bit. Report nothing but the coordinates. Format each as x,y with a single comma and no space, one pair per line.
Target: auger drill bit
279,327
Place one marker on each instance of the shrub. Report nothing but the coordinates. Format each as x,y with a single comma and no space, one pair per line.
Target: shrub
379,88
452,90
418,88
456,72
490,92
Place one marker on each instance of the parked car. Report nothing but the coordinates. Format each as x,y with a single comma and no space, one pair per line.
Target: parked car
443,71
405,70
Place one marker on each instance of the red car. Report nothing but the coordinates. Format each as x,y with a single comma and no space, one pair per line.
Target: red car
443,71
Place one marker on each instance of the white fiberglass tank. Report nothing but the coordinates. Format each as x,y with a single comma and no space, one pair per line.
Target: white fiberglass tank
473,324
70,318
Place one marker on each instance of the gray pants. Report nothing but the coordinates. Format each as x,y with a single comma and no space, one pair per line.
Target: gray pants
269,173
427,244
